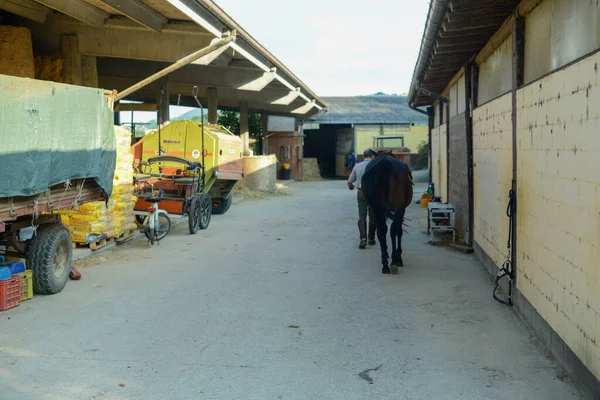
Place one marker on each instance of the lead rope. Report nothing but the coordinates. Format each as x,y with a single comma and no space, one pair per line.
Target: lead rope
507,271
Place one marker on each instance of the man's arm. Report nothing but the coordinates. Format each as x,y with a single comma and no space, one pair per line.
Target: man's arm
352,178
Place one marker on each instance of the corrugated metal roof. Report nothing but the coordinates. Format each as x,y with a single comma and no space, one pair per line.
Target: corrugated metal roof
376,109
455,31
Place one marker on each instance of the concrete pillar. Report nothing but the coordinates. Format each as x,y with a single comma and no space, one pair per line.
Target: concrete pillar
72,59
89,71
163,100
264,133
244,129
211,93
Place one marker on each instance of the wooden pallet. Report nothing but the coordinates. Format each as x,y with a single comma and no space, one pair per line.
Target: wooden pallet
126,236
95,245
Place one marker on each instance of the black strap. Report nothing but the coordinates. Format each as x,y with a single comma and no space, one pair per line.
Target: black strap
507,271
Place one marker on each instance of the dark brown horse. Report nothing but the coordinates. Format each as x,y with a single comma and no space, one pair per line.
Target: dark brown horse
388,188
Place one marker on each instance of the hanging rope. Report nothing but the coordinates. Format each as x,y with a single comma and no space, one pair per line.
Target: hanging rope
507,268
79,195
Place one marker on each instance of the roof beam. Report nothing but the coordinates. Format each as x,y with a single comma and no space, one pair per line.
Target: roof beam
471,20
226,40
477,32
136,107
139,12
26,8
213,55
78,9
288,98
458,41
457,49
305,108
484,7
260,83
448,27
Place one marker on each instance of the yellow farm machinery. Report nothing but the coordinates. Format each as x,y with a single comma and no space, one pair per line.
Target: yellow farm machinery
193,165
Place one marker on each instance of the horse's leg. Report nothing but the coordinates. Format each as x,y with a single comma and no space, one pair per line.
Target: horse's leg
395,244
382,236
398,221
372,227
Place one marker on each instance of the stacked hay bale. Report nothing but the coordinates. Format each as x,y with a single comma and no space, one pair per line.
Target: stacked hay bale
95,221
17,52
49,68
310,170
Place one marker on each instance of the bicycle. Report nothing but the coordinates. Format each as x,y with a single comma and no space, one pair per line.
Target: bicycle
157,223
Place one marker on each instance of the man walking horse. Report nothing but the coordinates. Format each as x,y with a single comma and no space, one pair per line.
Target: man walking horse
356,178
387,186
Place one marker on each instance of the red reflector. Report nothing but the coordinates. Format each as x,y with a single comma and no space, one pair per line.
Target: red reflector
151,209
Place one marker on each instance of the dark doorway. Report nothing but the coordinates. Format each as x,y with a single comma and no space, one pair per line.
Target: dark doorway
321,144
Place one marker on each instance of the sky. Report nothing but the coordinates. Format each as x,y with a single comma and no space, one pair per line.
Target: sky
339,47
336,47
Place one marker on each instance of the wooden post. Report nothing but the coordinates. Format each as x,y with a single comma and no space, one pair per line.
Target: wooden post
244,130
431,119
72,64
264,133
163,101
447,151
117,117
469,137
518,63
212,105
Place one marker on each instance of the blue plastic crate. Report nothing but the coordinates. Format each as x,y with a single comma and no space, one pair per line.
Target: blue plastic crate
15,267
5,274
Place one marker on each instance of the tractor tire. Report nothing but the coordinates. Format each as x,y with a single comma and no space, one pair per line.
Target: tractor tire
194,215
205,210
50,255
223,205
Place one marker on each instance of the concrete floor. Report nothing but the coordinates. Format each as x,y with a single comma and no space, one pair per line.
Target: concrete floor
275,301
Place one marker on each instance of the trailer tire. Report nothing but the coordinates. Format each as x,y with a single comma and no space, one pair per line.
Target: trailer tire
223,205
205,210
50,255
194,215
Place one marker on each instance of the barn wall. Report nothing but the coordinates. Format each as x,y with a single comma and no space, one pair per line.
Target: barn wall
492,161
558,201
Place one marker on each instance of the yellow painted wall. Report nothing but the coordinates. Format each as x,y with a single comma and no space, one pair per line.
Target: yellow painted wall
558,201
439,164
412,137
492,161
443,188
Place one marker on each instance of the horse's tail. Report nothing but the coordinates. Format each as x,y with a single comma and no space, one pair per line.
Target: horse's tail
376,181
409,189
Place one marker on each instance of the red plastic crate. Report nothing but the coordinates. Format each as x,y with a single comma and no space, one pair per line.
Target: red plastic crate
10,293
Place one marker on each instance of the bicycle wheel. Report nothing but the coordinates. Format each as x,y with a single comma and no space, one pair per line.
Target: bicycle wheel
163,228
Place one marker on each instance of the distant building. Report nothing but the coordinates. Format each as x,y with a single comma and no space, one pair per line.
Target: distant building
353,124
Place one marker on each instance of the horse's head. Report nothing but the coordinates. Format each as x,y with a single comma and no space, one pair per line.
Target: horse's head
382,153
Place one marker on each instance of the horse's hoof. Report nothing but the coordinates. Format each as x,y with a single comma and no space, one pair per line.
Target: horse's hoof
394,269
385,270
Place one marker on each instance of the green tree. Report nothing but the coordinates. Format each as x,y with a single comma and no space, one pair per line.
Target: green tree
231,121
423,156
